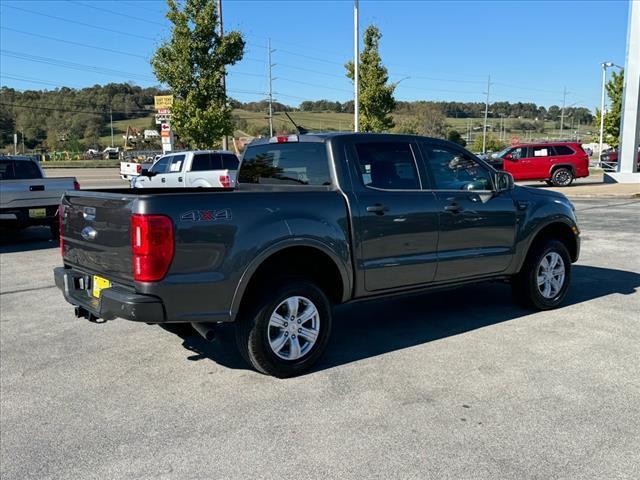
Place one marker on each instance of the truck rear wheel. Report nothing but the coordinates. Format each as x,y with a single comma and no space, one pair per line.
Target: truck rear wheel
562,177
286,329
544,279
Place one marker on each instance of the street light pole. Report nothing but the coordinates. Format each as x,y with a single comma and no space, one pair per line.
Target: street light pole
604,65
225,140
486,114
356,68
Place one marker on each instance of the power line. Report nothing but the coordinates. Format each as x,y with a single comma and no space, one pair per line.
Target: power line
72,65
119,52
57,109
120,14
97,27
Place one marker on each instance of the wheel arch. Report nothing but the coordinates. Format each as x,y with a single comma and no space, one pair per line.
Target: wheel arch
328,271
562,165
557,230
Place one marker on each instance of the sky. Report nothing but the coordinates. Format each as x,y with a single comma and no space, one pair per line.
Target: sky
532,50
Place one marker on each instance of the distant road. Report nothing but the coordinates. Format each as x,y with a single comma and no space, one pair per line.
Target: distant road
91,177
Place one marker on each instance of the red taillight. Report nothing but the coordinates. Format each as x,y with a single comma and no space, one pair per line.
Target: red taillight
152,244
76,185
225,181
138,168
60,215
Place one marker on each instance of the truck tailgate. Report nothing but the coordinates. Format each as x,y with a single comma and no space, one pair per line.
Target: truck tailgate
33,192
96,234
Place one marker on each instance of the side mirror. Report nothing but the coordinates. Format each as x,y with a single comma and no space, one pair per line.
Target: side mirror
504,181
147,173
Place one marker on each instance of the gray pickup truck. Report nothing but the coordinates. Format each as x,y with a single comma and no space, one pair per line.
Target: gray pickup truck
28,198
316,220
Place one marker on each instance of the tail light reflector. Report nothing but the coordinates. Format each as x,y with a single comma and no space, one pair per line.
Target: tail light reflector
76,185
225,181
138,168
152,244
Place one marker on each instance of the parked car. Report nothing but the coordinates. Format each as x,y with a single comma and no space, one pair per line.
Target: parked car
609,160
28,198
317,220
200,168
556,163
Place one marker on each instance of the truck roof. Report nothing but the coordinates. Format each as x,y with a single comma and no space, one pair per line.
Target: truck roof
322,136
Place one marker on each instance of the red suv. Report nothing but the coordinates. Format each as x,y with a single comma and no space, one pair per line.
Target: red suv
556,163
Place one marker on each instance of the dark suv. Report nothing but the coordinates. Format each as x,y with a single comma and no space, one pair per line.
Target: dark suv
557,163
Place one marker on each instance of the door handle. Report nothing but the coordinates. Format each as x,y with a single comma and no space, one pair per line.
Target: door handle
378,209
163,180
453,208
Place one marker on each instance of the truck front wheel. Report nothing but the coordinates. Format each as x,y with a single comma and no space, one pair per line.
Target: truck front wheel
286,329
544,279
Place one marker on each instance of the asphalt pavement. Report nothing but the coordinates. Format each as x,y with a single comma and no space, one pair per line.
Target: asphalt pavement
450,385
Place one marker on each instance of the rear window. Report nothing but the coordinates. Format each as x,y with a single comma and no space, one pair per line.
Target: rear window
18,170
286,163
563,150
206,161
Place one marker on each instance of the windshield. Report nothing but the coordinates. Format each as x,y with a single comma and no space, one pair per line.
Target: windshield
501,153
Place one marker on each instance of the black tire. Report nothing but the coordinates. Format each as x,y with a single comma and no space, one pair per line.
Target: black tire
549,182
525,283
562,177
252,328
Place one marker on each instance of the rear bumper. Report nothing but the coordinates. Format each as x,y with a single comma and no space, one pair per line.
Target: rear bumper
19,217
114,302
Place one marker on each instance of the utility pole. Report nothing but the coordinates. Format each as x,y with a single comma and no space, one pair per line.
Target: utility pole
22,132
356,68
111,121
271,65
225,140
486,114
564,100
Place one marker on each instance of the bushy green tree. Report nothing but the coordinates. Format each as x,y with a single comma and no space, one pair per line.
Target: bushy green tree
612,118
455,137
493,144
192,63
376,94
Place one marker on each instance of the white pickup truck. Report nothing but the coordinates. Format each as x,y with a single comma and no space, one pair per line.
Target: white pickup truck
197,168
27,197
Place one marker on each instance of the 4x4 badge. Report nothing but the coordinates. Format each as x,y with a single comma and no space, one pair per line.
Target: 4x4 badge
206,215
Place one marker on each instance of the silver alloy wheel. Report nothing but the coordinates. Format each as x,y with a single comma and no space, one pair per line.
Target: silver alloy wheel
562,177
550,275
294,327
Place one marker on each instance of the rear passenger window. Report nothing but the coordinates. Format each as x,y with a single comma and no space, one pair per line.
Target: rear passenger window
206,161
229,162
390,166
540,151
563,150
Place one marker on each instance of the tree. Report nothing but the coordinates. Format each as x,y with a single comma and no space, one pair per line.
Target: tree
193,64
432,121
614,88
376,96
493,144
455,137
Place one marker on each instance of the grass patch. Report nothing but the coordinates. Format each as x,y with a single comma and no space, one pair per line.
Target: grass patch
82,164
